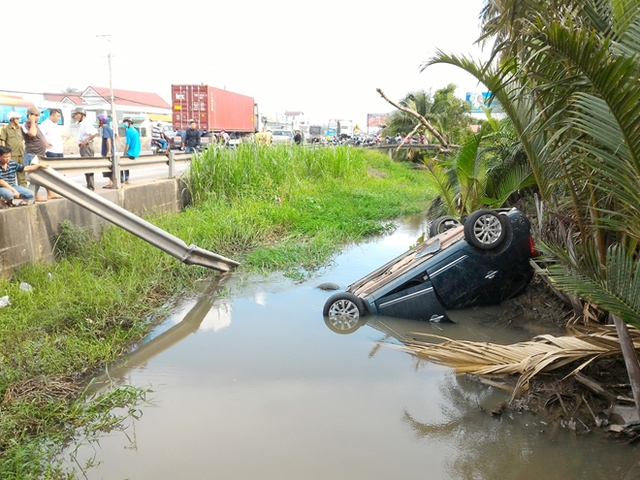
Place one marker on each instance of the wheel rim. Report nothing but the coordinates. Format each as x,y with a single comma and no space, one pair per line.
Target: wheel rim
344,314
487,229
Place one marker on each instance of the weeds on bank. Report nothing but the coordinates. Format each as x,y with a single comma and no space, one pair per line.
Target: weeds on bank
79,314
286,209
291,209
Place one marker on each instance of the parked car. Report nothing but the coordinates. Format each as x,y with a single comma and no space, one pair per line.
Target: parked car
481,262
173,137
282,136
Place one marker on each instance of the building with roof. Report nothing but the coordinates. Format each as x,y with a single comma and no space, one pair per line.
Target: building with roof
127,102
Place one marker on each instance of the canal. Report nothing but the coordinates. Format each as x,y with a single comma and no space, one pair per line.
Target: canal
247,381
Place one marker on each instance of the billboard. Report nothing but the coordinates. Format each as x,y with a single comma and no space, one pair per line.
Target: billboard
478,100
377,119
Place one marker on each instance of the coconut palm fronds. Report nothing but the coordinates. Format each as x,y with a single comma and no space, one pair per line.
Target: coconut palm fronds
542,354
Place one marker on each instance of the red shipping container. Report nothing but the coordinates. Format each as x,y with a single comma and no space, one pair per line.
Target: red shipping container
213,109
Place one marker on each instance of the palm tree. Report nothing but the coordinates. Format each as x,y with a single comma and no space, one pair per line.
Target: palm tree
567,75
483,173
403,123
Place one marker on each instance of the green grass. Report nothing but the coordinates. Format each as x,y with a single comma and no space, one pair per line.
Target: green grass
273,209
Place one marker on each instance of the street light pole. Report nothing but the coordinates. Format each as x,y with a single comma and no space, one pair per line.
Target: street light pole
115,171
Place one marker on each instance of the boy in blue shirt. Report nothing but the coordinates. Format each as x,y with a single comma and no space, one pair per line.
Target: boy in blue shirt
132,145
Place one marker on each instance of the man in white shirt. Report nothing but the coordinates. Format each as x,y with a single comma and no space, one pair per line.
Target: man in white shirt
53,133
86,133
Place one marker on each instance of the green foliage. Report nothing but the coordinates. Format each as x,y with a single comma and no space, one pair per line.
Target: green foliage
615,288
267,172
567,75
312,201
446,112
72,240
475,177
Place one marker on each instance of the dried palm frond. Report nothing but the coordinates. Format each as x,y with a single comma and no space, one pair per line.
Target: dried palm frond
542,354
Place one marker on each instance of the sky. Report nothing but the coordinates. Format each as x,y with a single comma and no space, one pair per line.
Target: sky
324,59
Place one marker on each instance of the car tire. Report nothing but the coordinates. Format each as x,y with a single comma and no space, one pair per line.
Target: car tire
441,225
485,229
345,307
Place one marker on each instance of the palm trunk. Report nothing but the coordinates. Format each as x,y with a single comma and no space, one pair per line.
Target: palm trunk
630,359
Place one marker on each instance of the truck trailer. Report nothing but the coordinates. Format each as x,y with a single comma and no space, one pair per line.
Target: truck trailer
213,110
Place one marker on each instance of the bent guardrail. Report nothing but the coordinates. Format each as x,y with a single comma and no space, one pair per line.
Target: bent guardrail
188,254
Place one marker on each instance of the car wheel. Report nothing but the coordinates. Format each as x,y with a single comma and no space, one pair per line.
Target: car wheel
441,225
344,310
485,229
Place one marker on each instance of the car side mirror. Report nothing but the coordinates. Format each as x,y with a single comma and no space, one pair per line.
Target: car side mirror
432,247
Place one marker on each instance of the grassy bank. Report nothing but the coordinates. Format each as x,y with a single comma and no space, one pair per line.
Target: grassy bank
285,209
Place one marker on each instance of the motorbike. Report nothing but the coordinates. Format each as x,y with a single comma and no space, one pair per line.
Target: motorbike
156,147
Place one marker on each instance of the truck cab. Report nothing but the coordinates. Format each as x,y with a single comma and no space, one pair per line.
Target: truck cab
345,129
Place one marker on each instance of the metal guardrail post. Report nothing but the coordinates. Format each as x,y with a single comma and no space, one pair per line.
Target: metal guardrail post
172,165
115,172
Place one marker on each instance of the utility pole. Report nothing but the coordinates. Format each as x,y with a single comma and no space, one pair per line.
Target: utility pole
115,171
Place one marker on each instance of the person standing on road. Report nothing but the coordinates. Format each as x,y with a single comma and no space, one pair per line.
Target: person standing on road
108,145
86,133
224,138
192,137
131,147
35,145
297,138
11,136
53,133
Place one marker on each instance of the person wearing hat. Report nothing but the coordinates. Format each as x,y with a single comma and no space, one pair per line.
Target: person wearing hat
108,145
11,136
131,147
86,133
35,145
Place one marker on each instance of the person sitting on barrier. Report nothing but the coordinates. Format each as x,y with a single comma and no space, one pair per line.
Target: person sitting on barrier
9,189
11,136
108,145
157,136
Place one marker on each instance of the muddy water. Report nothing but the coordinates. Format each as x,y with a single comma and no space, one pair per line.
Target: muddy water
255,385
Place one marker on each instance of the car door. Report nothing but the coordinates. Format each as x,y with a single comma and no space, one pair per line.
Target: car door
466,277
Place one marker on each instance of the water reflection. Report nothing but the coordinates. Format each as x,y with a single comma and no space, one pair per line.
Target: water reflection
477,324
209,312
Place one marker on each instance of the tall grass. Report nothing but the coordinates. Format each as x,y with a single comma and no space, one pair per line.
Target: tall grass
287,209
267,171
311,200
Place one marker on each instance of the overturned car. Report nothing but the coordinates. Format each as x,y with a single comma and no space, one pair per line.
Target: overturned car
481,262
